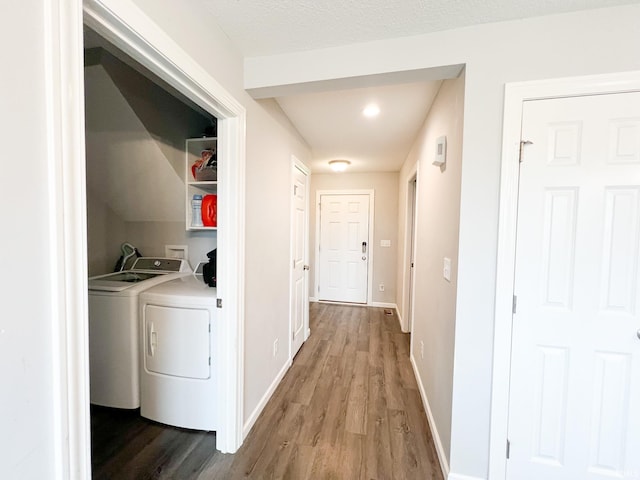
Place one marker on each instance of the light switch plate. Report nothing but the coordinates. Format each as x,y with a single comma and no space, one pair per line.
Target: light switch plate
441,151
446,269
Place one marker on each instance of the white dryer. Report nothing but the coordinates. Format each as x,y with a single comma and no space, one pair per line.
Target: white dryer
113,328
179,369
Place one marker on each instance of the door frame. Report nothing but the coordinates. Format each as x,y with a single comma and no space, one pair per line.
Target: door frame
296,163
408,283
515,96
123,24
316,266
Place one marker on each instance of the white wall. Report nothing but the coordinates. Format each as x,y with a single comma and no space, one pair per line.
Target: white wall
385,225
588,42
26,352
437,221
271,140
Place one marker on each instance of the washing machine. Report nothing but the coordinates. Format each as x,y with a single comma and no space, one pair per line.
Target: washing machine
179,368
114,328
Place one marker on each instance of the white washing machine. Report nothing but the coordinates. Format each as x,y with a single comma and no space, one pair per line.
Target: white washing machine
179,369
113,328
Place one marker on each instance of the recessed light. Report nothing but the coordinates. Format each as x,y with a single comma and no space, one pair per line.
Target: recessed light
339,165
371,110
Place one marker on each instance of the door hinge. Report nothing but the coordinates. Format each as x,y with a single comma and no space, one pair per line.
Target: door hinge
522,144
209,328
318,288
295,190
219,303
508,448
293,263
514,304
209,361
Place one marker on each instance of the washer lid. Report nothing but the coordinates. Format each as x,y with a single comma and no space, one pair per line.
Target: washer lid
116,282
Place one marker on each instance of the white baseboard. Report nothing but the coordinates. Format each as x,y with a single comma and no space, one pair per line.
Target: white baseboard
457,476
444,464
371,304
263,401
384,305
400,322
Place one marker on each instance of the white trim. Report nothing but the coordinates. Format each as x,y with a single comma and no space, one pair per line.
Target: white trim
124,24
515,95
442,457
314,299
297,164
265,399
64,97
457,476
400,320
406,324
371,194
392,306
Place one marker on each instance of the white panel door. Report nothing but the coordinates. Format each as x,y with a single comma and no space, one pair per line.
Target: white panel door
575,371
299,247
344,248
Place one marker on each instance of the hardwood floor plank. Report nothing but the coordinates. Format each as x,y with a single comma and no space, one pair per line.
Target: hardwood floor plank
356,417
353,457
378,442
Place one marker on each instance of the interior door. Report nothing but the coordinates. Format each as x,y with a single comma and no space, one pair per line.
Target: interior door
575,369
299,247
344,248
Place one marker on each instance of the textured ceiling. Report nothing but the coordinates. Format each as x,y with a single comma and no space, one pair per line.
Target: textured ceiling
265,27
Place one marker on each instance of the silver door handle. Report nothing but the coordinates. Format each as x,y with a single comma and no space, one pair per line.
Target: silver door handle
364,247
306,267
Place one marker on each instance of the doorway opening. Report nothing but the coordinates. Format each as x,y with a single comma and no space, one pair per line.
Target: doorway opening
157,55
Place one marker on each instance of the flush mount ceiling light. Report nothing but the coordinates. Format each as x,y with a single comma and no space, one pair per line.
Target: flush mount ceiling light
371,110
339,165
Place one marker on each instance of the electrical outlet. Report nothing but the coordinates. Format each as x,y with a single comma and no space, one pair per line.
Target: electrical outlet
381,287
275,347
421,350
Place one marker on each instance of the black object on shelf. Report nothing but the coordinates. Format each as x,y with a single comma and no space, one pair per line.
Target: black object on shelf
209,269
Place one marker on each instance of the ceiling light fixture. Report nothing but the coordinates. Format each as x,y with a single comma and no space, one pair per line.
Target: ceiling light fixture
339,165
371,110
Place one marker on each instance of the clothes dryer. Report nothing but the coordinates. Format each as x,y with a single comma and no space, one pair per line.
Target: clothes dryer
114,371
179,369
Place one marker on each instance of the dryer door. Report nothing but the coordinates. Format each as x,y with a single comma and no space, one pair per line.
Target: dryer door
177,341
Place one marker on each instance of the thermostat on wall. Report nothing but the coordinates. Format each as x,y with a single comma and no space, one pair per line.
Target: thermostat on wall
441,151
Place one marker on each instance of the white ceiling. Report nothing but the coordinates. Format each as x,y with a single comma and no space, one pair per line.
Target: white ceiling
331,122
333,125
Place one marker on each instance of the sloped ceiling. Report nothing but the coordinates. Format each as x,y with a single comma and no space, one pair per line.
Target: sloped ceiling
125,165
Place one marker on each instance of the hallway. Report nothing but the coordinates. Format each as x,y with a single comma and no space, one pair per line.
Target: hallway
348,408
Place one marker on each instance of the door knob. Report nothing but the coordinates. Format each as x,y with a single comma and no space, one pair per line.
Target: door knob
364,258
306,267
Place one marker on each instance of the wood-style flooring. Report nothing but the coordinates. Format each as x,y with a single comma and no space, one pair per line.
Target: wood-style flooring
348,408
